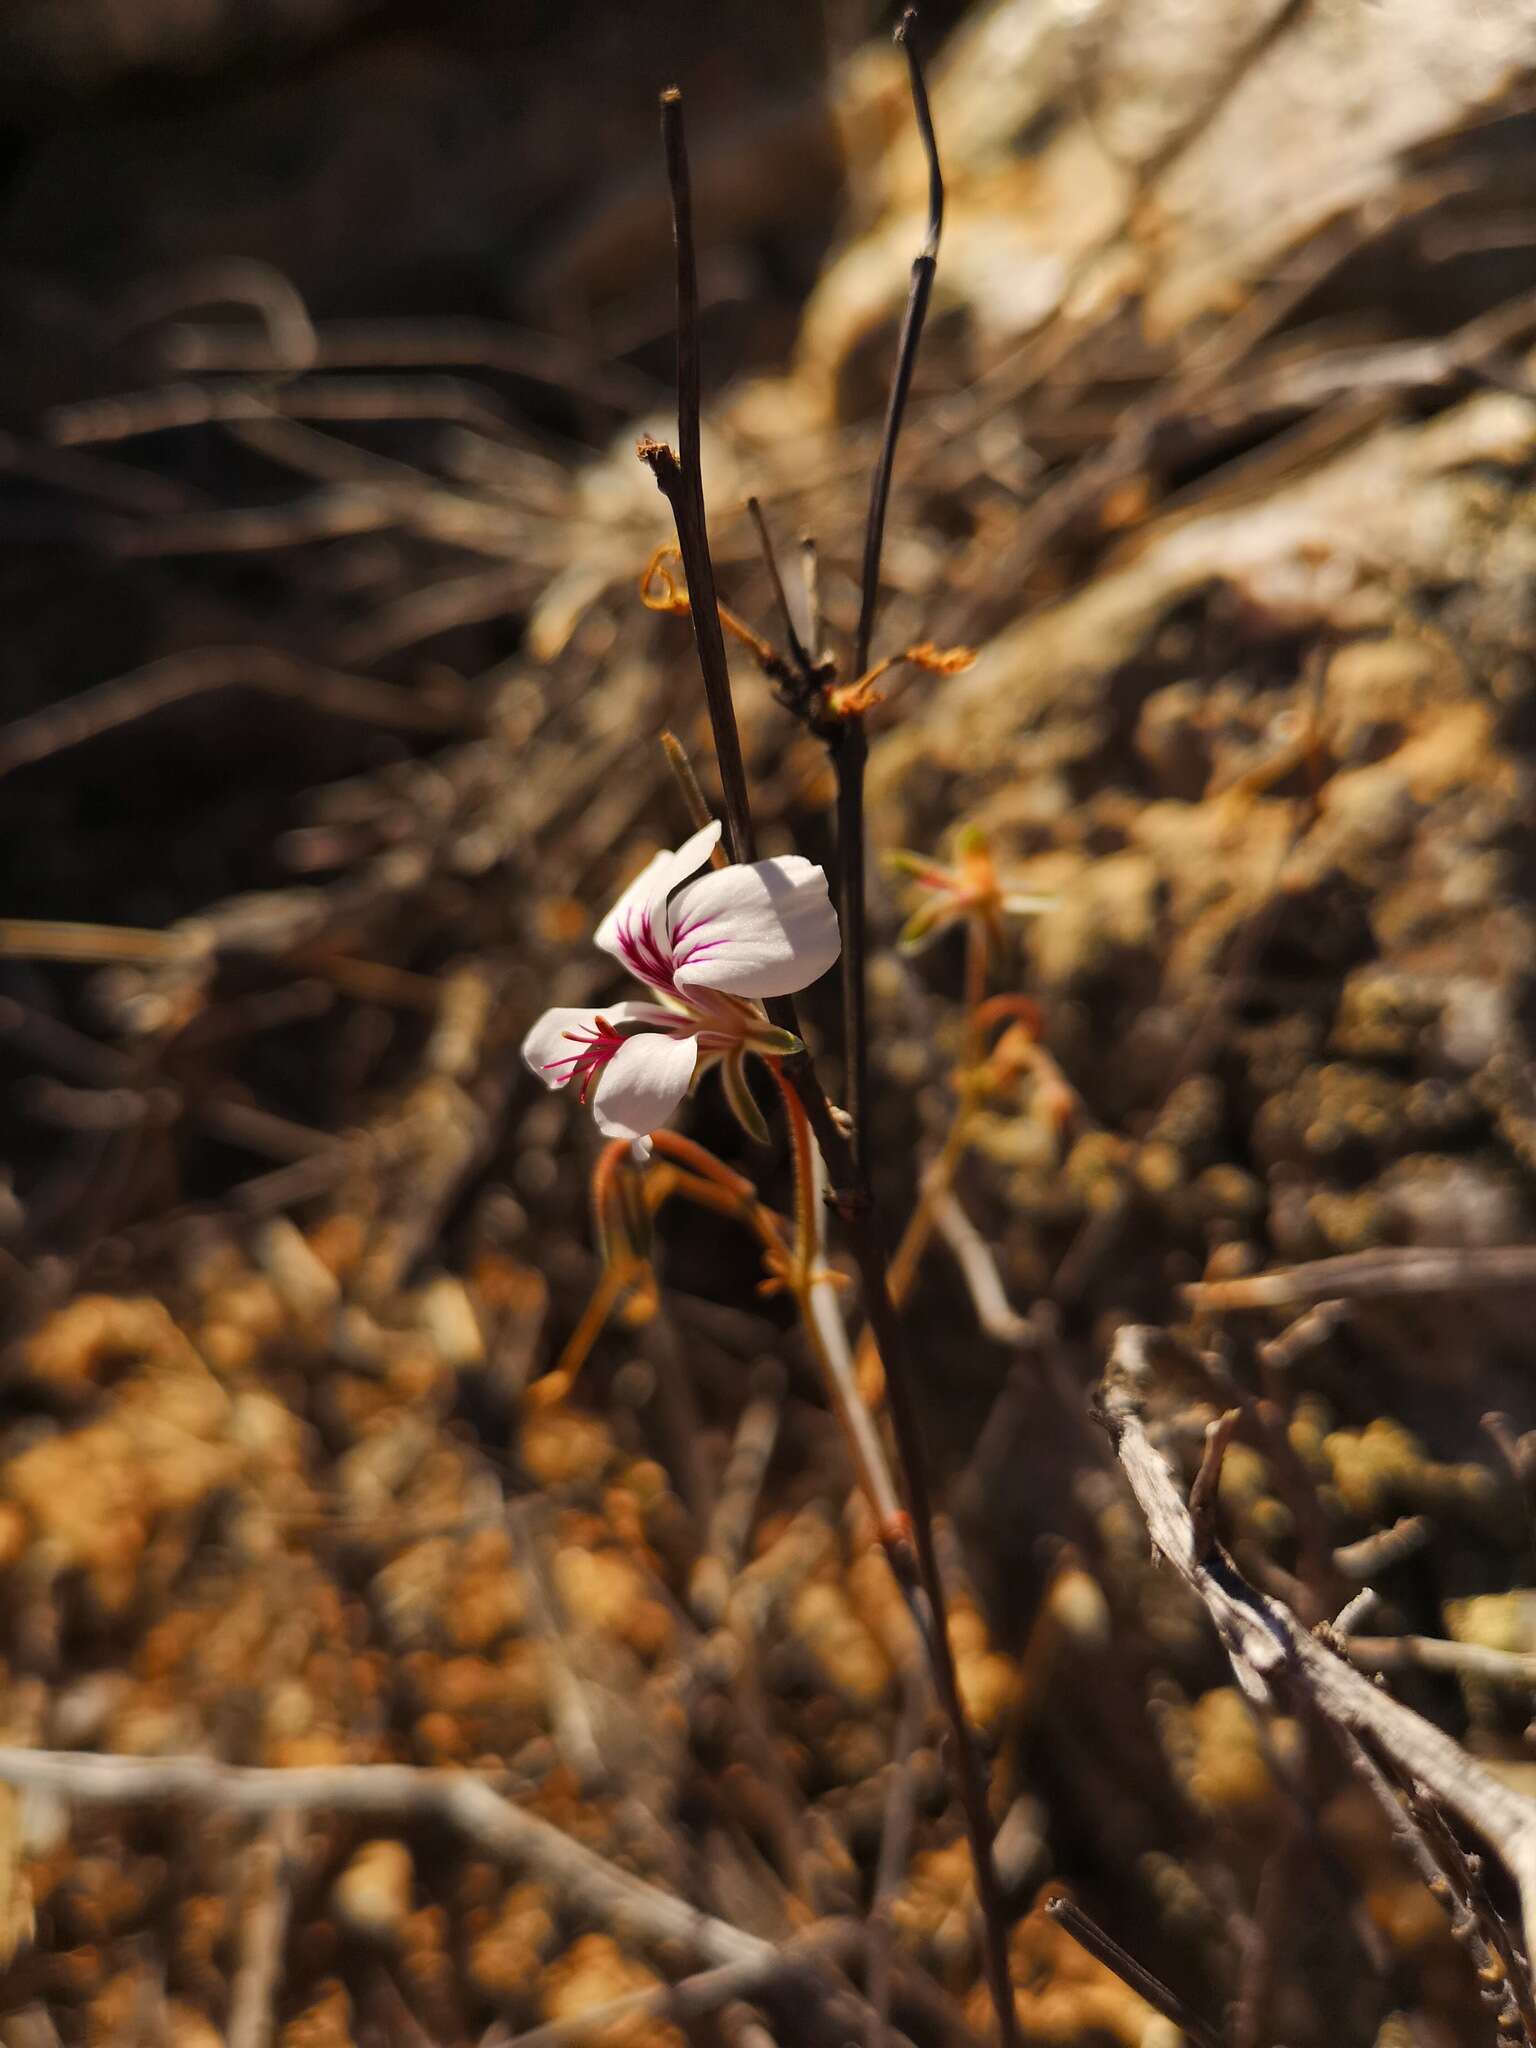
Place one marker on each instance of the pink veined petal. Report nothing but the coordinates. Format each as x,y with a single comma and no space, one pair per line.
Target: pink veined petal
648,892
767,929
643,1083
548,1049
554,1043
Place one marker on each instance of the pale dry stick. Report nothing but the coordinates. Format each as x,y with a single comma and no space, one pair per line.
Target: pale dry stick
742,2026
1384,1550
757,1431
1515,1455
289,338
1314,1326
1278,1662
1360,1608
263,1934
1203,1493
575,1728
1256,1970
1393,1272
810,572
1504,1976
47,938
170,408
440,607
677,1413
556,361
1439,1653
890,1869
695,1997
460,1800
137,492
996,1314
1412,1840
335,512
828,1332
178,676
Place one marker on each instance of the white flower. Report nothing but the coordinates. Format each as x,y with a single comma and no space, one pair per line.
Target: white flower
706,948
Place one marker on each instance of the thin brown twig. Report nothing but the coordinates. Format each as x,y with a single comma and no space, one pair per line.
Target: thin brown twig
1088,1934
797,651
681,480
850,747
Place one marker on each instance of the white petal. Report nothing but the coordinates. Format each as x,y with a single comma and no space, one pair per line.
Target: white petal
547,1046
654,883
763,930
643,1083
550,1046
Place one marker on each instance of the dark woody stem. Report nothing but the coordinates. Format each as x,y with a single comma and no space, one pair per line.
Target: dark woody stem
850,748
680,481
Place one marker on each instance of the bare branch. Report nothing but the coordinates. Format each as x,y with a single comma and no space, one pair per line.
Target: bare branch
1276,1660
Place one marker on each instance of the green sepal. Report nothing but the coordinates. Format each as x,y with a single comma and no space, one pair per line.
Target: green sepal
775,1044
733,1075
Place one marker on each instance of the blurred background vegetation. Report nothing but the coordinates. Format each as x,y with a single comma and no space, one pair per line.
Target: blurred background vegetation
327,728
